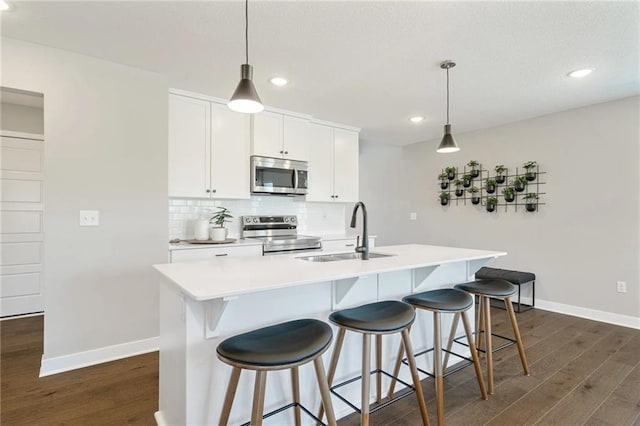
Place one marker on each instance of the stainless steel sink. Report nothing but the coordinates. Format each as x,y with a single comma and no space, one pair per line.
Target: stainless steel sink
340,256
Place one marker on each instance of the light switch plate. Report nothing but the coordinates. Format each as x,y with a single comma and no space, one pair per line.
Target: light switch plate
413,216
89,218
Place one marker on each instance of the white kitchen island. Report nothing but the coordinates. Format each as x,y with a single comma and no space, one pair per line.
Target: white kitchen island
202,303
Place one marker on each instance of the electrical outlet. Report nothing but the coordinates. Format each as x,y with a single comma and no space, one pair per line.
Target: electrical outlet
89,218
413,216
621,286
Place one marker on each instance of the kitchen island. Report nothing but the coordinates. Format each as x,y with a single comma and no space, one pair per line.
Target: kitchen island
203,302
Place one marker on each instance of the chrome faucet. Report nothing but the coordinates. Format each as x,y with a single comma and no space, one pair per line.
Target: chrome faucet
364,248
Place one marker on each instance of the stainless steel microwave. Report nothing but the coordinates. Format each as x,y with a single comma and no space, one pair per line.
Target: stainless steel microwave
278,176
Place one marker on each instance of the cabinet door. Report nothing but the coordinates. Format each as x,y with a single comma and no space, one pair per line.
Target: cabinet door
296,144
229,153
267,134
192,255
346,176
320,162
189,135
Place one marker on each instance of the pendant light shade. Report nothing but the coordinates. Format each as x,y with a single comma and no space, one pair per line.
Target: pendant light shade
245,98
448,143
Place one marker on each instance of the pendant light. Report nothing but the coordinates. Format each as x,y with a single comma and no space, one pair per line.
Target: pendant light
448,143
245,98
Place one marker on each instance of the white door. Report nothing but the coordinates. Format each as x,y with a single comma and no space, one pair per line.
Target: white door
230,173
21,230
267,134
189,147
296,144
345,163
320,162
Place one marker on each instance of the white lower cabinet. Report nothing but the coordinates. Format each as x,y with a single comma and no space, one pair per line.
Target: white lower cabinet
190,255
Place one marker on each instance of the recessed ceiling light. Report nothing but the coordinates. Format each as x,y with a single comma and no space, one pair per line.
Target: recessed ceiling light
416,119
4,5
580,73
279,81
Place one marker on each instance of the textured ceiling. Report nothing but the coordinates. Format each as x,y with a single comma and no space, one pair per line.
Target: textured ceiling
367,64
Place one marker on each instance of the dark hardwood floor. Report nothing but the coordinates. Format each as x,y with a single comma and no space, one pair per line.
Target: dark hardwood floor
583,372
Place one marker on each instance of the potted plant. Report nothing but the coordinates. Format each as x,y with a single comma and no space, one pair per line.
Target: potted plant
444,198
509,194
444,183
218,231
451,172
520,183
466,180
475,195
492,202
459,191
529,166
490,185
531,200
475,168
500,171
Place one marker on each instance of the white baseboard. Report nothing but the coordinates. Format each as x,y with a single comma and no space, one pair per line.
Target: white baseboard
63,363
592,314
160,420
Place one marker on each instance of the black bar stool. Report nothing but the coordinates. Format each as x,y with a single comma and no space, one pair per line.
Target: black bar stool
278,347
497,289
375,319
441,301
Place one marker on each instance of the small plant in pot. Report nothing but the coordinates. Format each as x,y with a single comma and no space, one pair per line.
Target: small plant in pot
492,202
530,166
218,231
466,180
475,168
444,183
444,198
459,190
520,183
500,173
531,200
509,194
451,172
475,195
490,185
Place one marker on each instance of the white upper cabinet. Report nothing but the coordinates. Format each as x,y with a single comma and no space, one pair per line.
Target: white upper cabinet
208,150
280,136
333,164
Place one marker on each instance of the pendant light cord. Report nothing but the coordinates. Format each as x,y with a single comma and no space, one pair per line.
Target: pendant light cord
447,95
246,31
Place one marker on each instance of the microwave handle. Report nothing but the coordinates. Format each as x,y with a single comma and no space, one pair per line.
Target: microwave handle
295,179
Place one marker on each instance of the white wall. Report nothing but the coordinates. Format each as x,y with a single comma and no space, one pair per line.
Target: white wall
587,236
106,150
20,118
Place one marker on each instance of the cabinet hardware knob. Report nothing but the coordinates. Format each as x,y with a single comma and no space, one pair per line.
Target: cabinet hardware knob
281,152
286,152
213,190
222,254
349,245
208,191
336,196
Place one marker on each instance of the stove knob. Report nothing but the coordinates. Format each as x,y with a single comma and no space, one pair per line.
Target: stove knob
286,219
255,220
247,220
293,219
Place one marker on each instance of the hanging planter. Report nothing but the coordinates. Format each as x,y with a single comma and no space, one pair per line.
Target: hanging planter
520,183
444,183
459,190
490,186
500,173
444,198
509,194
451,172
475,195
466,181
475,168
531,201
530,166
492,202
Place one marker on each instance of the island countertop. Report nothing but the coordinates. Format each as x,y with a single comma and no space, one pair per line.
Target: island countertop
227,277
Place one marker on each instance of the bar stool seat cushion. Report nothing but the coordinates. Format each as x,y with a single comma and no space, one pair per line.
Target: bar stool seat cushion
445,299
281,344
494,288
386,316
514,277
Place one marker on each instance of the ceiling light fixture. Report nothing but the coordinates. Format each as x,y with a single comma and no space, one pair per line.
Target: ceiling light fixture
417,119
580,73
279,81
5,5
448,143
245,98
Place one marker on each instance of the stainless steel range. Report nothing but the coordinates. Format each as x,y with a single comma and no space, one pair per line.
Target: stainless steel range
279,234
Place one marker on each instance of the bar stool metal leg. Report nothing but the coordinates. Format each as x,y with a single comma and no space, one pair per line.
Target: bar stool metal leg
230,395
296,394
258,398
516,333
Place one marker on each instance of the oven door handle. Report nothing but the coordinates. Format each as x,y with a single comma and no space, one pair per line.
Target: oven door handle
295,178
